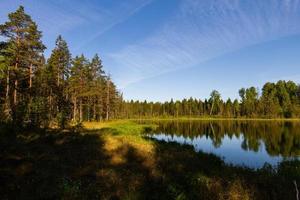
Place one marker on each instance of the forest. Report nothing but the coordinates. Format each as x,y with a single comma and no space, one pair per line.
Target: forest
63,88
275,100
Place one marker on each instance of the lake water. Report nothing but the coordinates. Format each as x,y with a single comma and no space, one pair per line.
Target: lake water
247,143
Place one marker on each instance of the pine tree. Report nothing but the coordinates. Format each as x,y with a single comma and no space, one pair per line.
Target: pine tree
77,83
96,82
5,82
58,71
23,52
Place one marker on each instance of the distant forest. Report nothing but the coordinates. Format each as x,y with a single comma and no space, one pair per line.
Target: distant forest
63,88
275,100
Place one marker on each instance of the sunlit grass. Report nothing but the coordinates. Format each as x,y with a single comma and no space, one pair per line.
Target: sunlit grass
122,132
122,128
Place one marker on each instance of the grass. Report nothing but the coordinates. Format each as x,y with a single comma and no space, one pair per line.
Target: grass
124,131
113,160
119,133
119,127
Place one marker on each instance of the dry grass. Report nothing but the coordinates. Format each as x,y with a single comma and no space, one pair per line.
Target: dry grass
118,135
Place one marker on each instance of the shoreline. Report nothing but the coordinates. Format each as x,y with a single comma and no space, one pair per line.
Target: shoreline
214,119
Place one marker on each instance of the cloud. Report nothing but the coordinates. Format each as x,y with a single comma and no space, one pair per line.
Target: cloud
107,18
84,20
50,17
202,30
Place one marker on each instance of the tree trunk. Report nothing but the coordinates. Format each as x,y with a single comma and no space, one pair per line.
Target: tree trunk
100,111
7,86
7,101
50,103
212,107
16,86
88,109
74,109
107,101
30,76
30,89
58,76
94,111
80,110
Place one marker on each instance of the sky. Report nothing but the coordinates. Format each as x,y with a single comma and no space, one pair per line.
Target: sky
162,49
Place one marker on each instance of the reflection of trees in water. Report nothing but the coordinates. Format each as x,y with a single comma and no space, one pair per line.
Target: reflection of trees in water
279,138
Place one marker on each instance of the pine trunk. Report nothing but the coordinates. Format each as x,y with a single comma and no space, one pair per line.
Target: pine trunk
58,76
94,111
7,86
30,89
80,110
16,86
7,104
30,76
74,108
88,109
107,101
50,103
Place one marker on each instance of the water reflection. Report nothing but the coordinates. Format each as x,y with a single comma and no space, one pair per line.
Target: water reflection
250,143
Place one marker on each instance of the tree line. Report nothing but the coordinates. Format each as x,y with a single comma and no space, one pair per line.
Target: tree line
275,100
59,89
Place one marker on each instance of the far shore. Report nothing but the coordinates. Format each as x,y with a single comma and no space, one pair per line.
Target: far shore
212,119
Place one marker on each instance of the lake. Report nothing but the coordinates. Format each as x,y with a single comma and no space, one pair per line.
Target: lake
245,143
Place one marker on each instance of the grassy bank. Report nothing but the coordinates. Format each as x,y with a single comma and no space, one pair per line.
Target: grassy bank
113,160
117,134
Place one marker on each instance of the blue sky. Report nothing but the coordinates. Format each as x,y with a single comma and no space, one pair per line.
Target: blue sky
163,49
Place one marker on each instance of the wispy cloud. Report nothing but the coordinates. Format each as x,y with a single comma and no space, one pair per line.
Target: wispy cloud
84,20
51,18
96,17
107,18
202,30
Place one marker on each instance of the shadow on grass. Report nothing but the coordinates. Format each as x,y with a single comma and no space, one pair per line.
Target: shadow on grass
69,165
191,175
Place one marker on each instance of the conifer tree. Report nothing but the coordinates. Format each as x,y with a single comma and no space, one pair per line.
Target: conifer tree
24,49
58,71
